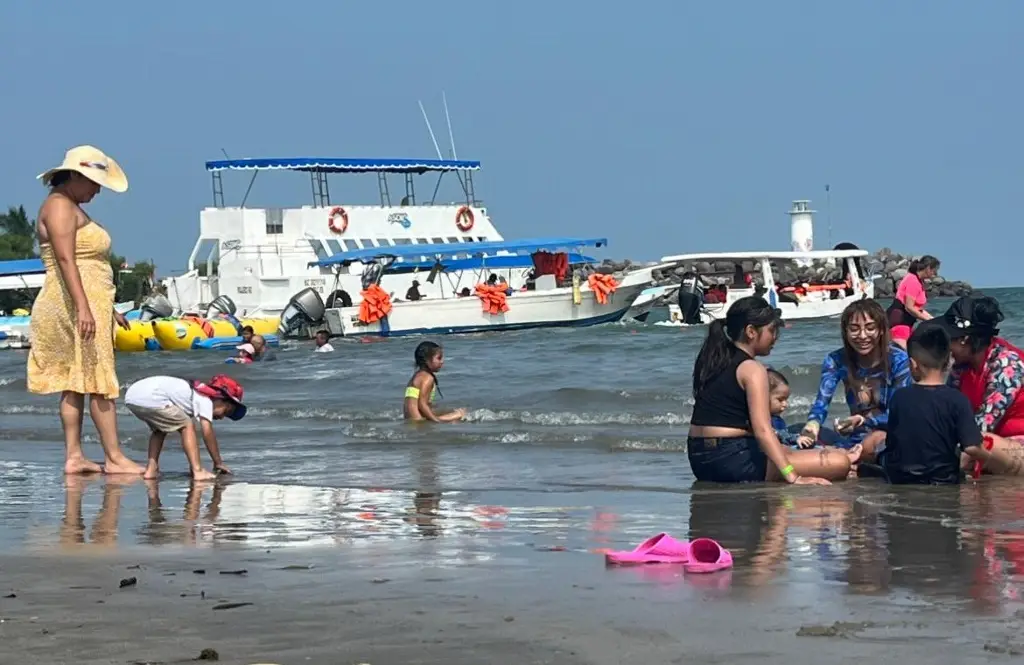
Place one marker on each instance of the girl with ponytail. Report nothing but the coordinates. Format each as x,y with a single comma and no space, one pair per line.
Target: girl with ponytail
423,387
731,437
907,306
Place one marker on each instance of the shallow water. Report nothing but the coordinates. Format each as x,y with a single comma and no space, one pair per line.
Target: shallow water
575,444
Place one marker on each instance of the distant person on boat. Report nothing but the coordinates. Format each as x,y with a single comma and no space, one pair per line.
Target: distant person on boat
930,423
907,306
990,371
871,370
413,294
740,279
423,387
72,333
731,439
465,292
322,343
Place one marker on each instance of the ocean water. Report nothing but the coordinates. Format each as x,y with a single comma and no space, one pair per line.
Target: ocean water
575,441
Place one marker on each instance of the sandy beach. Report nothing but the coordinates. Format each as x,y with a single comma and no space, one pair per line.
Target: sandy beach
389,606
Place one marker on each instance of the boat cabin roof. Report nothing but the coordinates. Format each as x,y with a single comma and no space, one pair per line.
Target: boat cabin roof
342,165
21,274
439,251
791,256
497,262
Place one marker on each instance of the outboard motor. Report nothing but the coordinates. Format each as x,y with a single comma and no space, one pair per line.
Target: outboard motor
221,305
691,297
155,307
305,308
371,274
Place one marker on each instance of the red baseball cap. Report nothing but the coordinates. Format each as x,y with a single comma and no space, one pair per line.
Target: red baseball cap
224,387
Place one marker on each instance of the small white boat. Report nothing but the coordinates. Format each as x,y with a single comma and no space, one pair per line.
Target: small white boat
22,274
701,303
460,310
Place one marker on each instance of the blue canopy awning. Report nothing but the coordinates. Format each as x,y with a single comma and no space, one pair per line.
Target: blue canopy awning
342,165
426,252
22,267
502,261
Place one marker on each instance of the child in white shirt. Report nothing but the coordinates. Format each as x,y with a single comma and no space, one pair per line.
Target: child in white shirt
171,404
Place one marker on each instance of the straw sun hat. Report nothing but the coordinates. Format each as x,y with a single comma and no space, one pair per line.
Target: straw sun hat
94,165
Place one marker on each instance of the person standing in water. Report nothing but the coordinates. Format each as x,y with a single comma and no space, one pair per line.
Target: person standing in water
907,306
731,439
422,387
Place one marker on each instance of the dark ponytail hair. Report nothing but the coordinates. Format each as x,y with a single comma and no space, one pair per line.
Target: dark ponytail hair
716,353
926,262
986,317
422,355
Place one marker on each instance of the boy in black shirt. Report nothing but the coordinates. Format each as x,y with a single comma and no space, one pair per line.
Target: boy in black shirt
929,422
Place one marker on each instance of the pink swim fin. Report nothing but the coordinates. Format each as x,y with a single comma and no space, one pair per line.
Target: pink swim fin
661,548
707,556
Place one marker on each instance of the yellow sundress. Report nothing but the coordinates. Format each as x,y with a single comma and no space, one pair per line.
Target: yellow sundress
59,360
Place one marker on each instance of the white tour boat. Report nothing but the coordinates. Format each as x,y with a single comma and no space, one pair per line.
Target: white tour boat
461,307
27,274
702,300
260,257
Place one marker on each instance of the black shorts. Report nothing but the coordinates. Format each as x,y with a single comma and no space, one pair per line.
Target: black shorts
736,459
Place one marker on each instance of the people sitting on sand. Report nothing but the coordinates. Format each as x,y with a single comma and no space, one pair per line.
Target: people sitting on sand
423,388
731,439
989,371
930,423
871,370
907,306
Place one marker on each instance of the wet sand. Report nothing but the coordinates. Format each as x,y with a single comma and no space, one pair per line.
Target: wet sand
384,604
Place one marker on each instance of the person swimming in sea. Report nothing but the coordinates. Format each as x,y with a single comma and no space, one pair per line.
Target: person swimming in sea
422,387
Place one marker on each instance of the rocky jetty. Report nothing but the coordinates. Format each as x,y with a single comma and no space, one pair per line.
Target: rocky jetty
886,266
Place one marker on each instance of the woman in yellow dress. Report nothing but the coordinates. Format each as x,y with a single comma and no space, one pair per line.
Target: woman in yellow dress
72,323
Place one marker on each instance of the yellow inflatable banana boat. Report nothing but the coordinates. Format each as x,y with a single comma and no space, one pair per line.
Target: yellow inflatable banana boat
188,332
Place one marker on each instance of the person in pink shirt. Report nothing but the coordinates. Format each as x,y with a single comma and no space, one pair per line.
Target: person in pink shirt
907,307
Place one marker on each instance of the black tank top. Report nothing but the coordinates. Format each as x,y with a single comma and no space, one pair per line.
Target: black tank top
722,402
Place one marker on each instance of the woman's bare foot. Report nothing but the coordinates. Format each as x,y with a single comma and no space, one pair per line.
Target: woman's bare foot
203,474
854,454
123,465
77,465
152,472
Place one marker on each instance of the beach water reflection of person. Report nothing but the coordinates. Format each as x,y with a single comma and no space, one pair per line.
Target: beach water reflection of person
871,369
731,437
73,315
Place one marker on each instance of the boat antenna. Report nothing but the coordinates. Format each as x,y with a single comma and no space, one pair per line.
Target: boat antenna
431,130
448,119
828,211
226,155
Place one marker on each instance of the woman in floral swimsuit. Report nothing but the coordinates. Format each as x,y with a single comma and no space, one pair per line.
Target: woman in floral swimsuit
990,372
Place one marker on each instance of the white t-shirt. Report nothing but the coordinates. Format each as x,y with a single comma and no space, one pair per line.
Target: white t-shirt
326,348
156,392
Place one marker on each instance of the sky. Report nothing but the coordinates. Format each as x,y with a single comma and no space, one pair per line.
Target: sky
667,127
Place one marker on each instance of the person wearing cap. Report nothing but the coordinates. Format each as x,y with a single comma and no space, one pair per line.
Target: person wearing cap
246,354
990,371
73,316
171,404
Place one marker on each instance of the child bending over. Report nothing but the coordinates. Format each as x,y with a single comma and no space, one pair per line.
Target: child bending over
422,387
169,404
929,422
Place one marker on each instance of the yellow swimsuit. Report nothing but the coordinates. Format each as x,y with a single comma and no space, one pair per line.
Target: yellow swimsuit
412,392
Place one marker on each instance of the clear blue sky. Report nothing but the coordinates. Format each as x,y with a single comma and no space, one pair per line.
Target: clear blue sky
666,126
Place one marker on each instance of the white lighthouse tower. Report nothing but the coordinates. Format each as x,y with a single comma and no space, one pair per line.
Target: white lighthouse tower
801,226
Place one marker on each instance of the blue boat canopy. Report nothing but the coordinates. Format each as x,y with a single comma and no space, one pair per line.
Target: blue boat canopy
503,261
21,267
343,165
424,252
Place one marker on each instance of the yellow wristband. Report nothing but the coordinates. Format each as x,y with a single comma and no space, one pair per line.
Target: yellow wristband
786,470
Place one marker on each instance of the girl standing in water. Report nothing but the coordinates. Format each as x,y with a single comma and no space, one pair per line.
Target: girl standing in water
731,439
422,387
907,306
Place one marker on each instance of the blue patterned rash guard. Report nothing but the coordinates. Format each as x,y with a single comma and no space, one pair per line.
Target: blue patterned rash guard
868,392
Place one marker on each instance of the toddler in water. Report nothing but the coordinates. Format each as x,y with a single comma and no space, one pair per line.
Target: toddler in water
778,402
420,391
930,422
169,404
